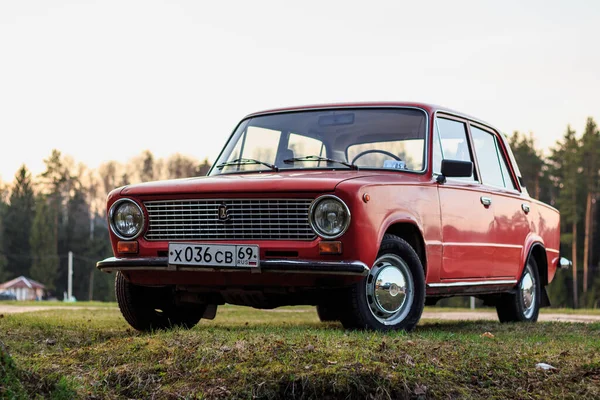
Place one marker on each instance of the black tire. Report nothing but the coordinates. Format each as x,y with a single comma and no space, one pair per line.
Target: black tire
328,312
150,308
361,313
511,307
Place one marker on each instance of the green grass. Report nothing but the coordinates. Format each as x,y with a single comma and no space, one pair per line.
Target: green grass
246,353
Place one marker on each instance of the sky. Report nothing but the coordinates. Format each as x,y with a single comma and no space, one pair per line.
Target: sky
106,80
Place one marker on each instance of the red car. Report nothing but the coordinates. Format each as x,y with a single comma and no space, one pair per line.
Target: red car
368,211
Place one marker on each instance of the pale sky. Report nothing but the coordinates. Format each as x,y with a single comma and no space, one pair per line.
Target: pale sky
102,80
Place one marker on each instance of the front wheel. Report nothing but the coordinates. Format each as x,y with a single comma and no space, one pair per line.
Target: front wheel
149,308
328,312
392,296
524,304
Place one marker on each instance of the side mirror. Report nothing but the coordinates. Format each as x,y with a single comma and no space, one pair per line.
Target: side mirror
455,169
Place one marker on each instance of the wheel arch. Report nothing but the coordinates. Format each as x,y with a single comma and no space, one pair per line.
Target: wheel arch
538,252
409,231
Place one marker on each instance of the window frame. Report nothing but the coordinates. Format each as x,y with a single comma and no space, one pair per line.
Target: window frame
426,146
501,153
444,115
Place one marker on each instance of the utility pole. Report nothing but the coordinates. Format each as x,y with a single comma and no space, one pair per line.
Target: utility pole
70,278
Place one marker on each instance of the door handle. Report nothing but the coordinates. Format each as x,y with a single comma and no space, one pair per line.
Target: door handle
486,201
525,208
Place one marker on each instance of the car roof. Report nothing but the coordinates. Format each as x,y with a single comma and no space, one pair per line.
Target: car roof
431,108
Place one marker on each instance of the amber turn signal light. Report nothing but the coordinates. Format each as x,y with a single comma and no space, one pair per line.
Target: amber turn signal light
330,247
127,247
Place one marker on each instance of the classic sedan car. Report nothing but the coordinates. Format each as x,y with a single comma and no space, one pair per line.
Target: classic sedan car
367,211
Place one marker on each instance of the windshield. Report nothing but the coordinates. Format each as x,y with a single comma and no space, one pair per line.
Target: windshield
341,139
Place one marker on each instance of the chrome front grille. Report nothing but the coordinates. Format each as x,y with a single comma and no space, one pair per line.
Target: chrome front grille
259,219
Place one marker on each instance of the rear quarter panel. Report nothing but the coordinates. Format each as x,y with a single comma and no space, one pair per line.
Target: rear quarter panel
544,222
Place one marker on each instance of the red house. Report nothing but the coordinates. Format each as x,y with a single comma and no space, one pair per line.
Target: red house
24,288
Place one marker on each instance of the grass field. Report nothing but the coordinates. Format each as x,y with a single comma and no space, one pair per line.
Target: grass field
247,353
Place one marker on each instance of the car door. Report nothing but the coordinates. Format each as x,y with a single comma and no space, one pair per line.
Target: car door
467,218
510,207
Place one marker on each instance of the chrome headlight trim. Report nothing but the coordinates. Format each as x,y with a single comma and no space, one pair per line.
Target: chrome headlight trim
313,224
111,215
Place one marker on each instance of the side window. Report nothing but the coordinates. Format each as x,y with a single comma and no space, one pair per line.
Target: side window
450,143
492,165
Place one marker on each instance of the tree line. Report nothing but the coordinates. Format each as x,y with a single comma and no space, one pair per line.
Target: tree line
44,217
63,209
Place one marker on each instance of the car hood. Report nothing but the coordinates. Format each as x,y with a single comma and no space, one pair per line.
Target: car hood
288,181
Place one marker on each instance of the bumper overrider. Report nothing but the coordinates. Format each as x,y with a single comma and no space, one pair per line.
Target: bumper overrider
357,268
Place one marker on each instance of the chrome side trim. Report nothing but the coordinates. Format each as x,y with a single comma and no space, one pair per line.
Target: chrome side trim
473,283
356,268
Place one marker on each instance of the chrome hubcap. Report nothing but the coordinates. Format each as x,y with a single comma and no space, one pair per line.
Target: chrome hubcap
527,288
390,290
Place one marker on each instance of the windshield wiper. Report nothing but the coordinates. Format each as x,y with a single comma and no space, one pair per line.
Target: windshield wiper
319,158
247,161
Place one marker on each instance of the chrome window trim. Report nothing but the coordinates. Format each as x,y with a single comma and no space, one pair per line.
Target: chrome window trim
338,107
501,158
111,213
313,224
467,136
484,124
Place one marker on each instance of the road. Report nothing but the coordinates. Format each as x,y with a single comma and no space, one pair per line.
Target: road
448,316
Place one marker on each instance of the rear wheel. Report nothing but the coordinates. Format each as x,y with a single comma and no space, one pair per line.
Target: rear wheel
524,304
392,296
148,308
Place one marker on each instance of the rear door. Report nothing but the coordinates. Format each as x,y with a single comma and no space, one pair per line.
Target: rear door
511,225
467,217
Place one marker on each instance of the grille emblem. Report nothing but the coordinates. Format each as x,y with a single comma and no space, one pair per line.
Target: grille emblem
223,212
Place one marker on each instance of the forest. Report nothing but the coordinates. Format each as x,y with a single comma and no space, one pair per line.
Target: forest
43,217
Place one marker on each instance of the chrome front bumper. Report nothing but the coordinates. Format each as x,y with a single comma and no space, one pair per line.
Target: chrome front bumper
280,266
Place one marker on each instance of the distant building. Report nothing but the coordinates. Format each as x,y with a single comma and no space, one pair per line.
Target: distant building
24,288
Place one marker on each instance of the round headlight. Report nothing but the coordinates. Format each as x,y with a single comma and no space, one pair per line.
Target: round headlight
329,217
127,219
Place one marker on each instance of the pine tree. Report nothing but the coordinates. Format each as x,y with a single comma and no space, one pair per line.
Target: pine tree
77,239
3,259
147,172
179,166
532,165
17,224
58,184
566,168
45,258
203,168
590,148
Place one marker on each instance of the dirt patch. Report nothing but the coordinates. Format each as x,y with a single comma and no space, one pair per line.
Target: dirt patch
22,309
479,315
447,316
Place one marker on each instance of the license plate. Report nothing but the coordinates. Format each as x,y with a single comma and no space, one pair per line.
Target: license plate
214,255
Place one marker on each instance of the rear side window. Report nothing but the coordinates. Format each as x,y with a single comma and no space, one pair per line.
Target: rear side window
450,143
492,165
